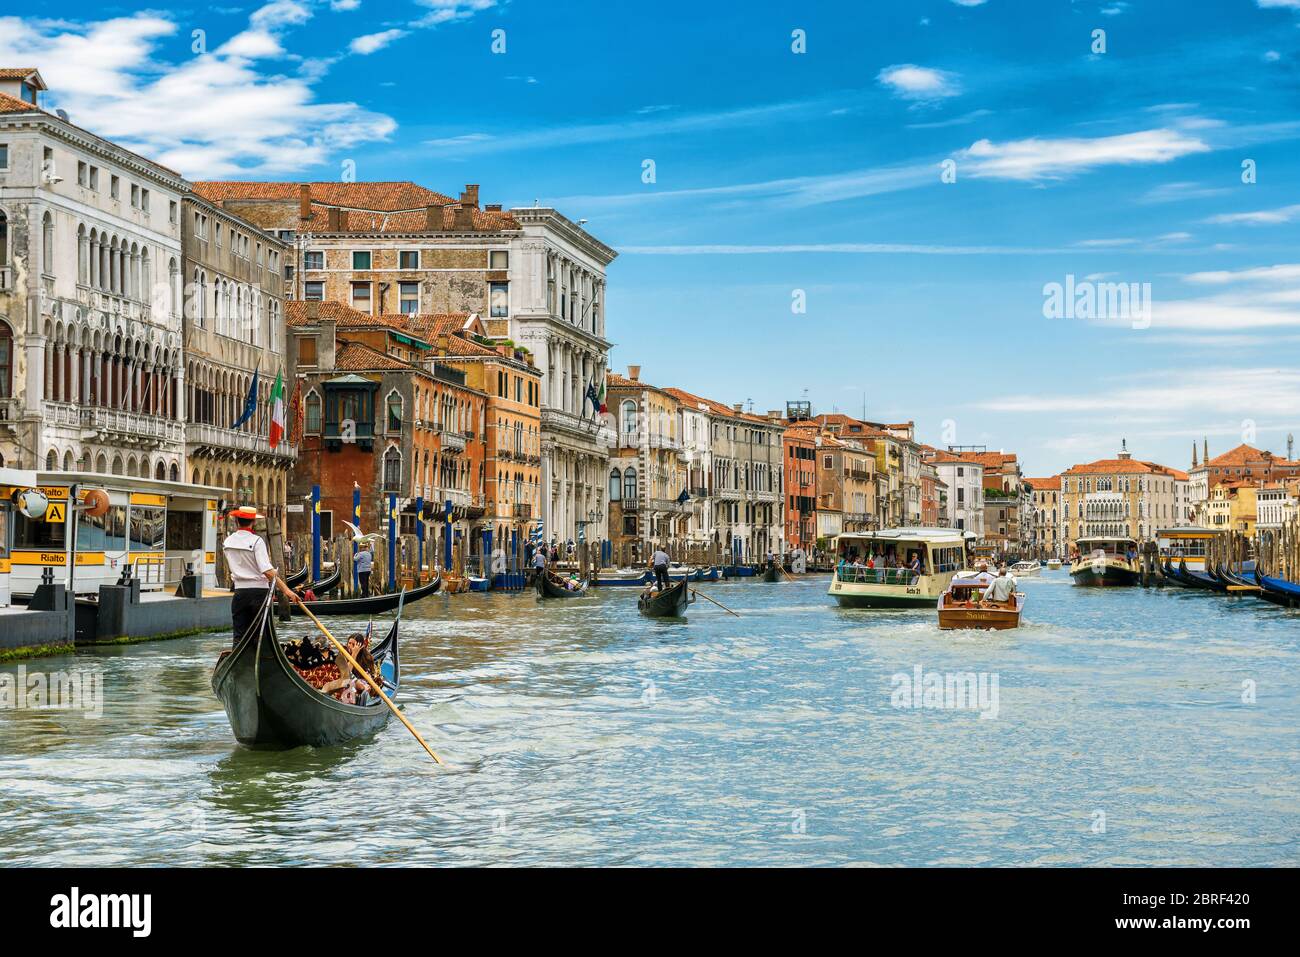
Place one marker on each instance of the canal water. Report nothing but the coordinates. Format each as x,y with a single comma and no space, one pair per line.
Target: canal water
1129,727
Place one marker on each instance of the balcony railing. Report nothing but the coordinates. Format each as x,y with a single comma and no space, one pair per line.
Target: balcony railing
197,433
452,441
523,510
114,424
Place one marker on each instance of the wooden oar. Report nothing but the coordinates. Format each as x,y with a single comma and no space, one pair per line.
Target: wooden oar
369,680
700,594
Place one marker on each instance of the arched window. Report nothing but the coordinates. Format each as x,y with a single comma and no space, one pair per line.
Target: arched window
175,474
160,471
628,415
117,465
629,484
393,470
312,406
6,357
394,411
51,461
615,485
67,461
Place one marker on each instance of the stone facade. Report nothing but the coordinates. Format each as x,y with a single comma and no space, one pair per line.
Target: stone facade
91,373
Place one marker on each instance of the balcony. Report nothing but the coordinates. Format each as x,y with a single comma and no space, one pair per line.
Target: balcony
218,440
667,505
555,420
452,441
523,511
129,429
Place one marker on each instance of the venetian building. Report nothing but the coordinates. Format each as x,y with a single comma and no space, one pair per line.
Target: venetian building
234,332
91,374
1121,497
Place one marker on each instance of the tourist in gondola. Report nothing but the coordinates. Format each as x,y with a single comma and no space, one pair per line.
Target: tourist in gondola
659,561
365,563
251,571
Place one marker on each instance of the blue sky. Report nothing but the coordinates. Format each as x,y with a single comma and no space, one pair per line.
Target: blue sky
818,175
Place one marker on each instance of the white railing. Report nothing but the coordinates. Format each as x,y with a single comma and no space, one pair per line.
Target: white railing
197,433
119,422
452,440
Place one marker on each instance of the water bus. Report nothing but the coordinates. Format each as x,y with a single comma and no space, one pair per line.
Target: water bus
891,582
1106,560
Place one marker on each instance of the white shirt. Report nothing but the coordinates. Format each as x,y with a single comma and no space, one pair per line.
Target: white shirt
248,559
1003,587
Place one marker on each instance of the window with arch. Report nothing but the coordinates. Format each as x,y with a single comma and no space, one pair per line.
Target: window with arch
311,424
615,485
393,470
629,484
6,359
393,411
51,461
628,415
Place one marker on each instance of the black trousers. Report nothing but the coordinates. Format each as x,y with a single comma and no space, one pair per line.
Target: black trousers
245,606
363,578
661,577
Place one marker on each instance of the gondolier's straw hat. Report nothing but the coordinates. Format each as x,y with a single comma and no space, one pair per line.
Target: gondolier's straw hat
245,513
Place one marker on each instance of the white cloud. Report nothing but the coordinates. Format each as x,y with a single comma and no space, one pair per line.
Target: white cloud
970,3
851,248
1271,56
912,82
1038,159
342,6
1283,272
1288,4
210,116
1215,391
446,11
374,42
1262,217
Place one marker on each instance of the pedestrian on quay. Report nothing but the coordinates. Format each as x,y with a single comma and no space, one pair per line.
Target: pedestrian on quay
251,572
364,564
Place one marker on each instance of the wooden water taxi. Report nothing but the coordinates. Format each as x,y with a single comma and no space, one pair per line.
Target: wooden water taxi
1106,561
1024,569
890,582
961,607
1053,564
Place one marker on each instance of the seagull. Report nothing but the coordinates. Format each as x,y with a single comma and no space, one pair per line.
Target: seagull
359,536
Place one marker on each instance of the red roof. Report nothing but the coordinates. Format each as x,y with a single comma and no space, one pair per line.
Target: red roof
1119,467
1045,484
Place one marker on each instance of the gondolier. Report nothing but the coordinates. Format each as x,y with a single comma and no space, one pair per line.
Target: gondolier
251,573
364,562
659,562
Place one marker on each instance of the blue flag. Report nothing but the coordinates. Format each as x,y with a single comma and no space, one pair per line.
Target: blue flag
250,404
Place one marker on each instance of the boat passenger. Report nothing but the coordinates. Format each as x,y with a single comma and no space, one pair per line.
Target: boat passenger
1001,593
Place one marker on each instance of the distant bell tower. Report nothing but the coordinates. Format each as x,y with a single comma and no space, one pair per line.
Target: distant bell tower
1193,456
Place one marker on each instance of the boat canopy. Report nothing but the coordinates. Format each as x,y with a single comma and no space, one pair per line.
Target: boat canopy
916,536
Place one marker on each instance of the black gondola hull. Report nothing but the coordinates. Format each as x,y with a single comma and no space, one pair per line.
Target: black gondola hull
270,706
328,583
771,574
669,603
372,605
546,588
298,577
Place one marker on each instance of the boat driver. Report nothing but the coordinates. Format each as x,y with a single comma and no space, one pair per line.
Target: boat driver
251,571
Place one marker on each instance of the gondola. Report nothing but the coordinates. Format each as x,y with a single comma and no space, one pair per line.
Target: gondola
1171,573
669,603
1232,581
1200,579
547,588
298,577
270,705
328,583
771,573
1277,590
369,605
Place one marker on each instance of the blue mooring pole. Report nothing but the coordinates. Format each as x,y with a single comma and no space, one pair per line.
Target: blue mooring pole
315,533
392,543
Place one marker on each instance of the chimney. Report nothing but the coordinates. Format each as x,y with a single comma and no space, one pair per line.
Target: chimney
327,345
775,414
313,309
470,196
492,208
304,200
444,344
463,217
433,218
634,373
738,407
335,220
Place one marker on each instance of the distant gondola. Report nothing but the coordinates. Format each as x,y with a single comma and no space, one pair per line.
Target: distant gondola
771,573
270,705
1200,579
298,577
1232,581
548,588
1277,590
669,603
327,584
369,605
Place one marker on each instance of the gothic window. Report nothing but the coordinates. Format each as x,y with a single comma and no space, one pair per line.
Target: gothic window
312,405
393,470
615,485
629,484
394,410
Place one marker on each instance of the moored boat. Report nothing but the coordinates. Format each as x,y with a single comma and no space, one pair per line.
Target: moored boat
961,607
326,584
270,705
1023,569
298,577
1106,562
940,551
669,603
548,587
1277,590
370,604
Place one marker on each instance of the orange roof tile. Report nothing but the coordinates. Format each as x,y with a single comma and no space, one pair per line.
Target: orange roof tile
719,408
359,357
1044,484
1118,467
11,104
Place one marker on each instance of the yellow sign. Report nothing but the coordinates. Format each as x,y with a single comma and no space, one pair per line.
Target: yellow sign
52,492
148,558
56,513
212,505
4,566
56,559
144,498
210,557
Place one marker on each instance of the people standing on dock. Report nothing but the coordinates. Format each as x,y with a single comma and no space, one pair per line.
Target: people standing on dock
364,564
251,571
659,562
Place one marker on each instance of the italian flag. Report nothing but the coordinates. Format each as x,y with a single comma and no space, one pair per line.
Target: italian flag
277,411
603,409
